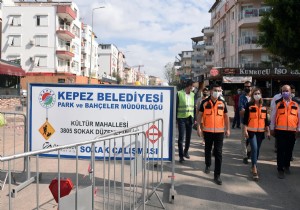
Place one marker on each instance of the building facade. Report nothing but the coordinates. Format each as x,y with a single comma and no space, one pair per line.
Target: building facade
233,35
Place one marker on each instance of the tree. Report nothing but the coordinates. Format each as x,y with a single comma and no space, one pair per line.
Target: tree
280,31
170,74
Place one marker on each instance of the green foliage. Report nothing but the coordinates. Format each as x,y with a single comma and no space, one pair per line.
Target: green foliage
280,31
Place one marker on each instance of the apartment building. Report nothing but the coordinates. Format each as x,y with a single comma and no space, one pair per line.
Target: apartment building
185,70
108,60
45,37
199,69
233,35
89,52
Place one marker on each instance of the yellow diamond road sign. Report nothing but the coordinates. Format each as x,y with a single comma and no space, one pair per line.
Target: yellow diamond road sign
46,130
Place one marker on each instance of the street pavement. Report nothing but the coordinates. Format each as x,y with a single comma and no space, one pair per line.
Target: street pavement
196,190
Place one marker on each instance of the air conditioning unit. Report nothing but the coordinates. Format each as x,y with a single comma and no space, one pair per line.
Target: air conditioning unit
31,42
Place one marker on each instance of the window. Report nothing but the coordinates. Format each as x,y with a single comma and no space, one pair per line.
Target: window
14,20
14,58
265,57
40,61
41,40
61,80
232,15
42,20
76,31
231,37
75,48
14,40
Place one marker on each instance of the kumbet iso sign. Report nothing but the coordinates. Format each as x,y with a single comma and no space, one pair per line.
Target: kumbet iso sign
61,114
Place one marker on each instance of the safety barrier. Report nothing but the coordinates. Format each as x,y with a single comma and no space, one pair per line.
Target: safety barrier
12,141
109,181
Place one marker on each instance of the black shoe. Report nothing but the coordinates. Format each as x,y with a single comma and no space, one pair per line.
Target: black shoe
181,160
245,160
287,170
207,170
218,180
186,155
280,174
248,154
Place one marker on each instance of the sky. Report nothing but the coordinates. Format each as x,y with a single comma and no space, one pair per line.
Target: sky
148,32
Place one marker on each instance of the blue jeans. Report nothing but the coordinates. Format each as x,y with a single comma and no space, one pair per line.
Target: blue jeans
185,126
255,139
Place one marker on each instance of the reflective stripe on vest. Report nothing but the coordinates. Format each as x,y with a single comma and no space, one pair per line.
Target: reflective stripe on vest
213,117
286,116
185,109
257,117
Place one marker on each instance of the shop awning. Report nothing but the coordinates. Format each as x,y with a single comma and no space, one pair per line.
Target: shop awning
8,68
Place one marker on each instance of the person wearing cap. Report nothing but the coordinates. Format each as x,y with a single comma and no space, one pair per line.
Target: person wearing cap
213,113
185,112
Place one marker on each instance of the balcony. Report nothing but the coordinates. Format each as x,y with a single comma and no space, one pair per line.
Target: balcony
260,65
64,52
248,43
208,31
209,61
250,17
66,12
64,33
223,32
209,46
63,69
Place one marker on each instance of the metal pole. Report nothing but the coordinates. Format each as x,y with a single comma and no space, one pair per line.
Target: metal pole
91,50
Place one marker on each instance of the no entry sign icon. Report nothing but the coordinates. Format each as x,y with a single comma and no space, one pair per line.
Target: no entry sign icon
153,134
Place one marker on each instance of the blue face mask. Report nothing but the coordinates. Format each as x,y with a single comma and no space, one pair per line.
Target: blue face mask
286,95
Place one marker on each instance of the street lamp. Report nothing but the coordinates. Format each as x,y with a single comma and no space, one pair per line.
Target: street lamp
90,70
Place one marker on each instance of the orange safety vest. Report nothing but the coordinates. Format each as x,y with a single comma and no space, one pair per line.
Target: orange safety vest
213,117
257,117
286,116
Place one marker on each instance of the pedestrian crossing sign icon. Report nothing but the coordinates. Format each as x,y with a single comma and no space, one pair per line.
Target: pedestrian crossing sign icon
46,130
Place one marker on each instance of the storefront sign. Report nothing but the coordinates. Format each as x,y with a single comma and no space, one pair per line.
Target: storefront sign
238,79
214,72
275,71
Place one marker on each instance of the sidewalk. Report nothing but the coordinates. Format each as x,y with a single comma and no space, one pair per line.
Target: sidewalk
196,190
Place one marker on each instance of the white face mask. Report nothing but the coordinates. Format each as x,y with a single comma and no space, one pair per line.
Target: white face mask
193,88
216,94
257,97
293,95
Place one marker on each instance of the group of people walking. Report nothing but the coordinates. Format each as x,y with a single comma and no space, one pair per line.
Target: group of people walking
211,116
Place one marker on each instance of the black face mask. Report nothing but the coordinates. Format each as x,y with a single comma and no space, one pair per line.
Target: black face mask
205,94
247,90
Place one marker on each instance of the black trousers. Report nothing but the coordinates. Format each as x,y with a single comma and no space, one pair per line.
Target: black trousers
215,139
185,126
285,146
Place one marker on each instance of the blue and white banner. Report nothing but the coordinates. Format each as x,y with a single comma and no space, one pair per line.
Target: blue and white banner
61,114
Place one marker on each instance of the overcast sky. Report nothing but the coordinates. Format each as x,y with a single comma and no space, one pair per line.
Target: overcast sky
149,32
